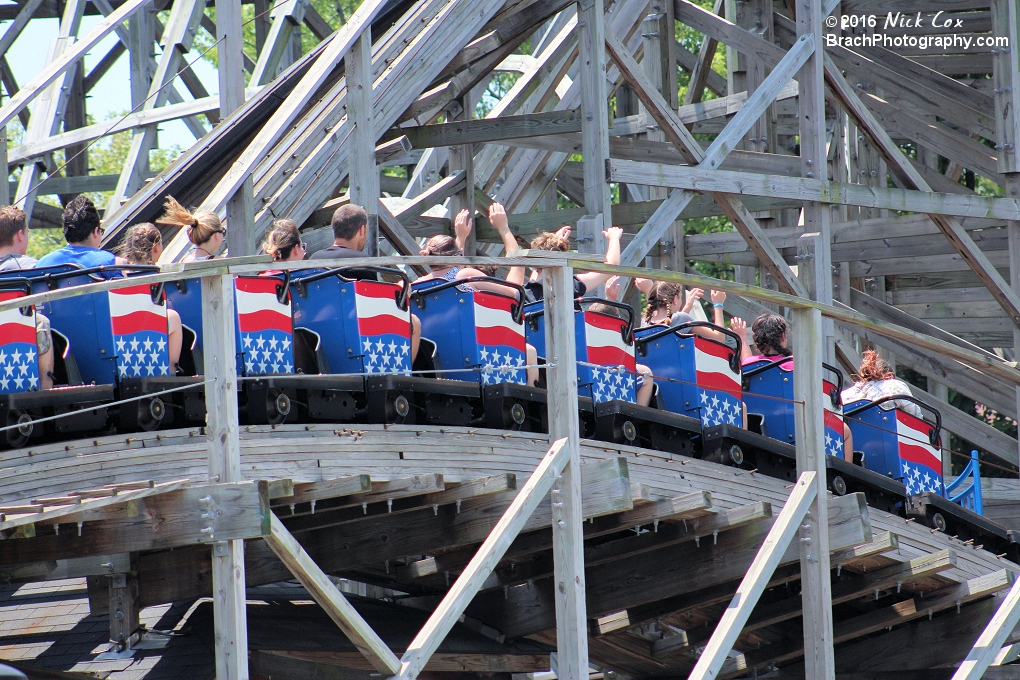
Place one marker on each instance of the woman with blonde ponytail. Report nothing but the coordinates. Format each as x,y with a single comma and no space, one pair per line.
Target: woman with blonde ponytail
143,244
205,230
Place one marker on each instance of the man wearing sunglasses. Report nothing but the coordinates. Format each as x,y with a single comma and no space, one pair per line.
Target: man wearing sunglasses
84,235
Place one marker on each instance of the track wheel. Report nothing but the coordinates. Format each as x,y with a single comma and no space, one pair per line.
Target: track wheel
839,485
151,413
518,414
939,522
277,407
18,436
736,455
629,431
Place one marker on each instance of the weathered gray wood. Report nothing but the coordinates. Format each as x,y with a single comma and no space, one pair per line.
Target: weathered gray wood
1005,69
364,181
757,578
567,522
285,16
325,593
594,124
67,59
489,554
699,74
462,160
158,521
992,638
224,466
816,587
809,189
688,147
486,130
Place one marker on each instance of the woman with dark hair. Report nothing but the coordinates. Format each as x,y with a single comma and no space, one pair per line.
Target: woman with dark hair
143,244
283,242
771,335
876,380
665,306
442,245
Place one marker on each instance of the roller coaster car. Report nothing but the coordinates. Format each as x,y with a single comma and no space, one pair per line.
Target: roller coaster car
606,382
21,399
357,335
768,397
483,331
908,449
695,376
120,338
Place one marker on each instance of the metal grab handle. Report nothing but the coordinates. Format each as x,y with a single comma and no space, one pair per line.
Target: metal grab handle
734,360
934,437
517,311
628,331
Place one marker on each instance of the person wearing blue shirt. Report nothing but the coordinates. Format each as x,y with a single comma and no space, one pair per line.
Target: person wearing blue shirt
84,236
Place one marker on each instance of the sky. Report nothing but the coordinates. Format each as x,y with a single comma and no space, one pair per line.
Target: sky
112,95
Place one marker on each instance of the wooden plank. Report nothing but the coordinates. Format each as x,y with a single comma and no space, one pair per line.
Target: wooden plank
757,578
328,488
154,522
811,189
491,551
487,130
639,584
688,506
591,41
706,53
325,593
71,510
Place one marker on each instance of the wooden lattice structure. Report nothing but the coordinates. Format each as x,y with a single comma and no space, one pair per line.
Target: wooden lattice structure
893,235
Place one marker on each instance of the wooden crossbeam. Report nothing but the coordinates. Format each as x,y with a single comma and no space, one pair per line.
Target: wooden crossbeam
83,504
491,551
757,578
493,129
325,593
169,519
811,189
706,53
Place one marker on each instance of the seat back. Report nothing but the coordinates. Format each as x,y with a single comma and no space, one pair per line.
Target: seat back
265,325
363,328
19,354
697,377
473,329
768,390
899,444
138,323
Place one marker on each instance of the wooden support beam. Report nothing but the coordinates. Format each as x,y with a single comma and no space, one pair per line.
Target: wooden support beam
757,578
67,59
594,128
706,53
666,576
364,182
325,593
492,550
396,234
808,415
228,573
992,638
285,16
567,518
807,189
462,160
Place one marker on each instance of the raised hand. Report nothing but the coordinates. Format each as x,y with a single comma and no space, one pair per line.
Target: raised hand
564,232
462,225
693,295
613,288
739,326
613,233
718,296
498,218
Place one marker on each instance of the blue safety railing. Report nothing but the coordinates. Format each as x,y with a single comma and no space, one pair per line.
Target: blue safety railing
970,497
